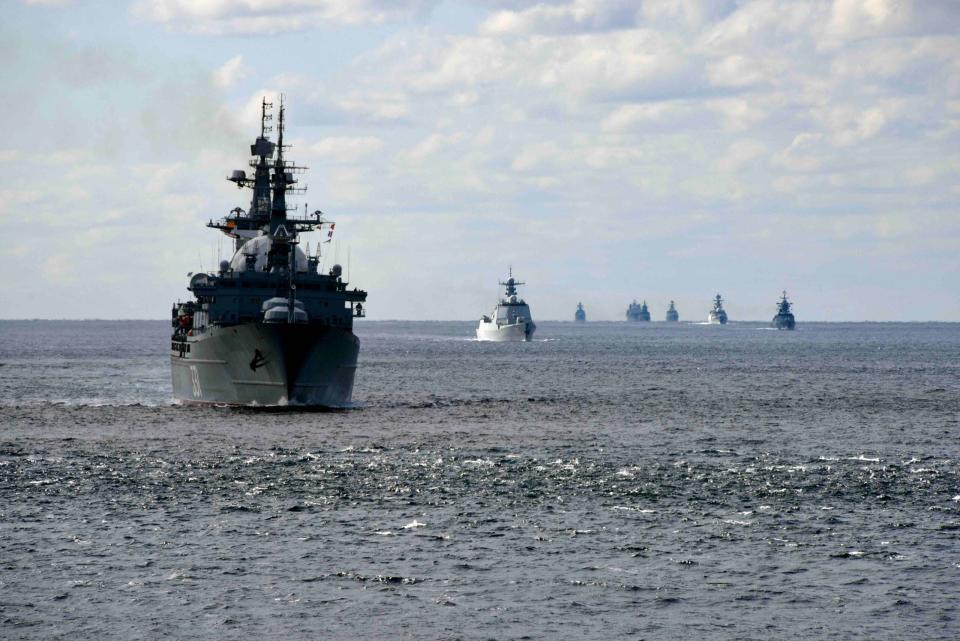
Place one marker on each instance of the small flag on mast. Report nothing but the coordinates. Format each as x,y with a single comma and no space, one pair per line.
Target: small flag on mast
330,233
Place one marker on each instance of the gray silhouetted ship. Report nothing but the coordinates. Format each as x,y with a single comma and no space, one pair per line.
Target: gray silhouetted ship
638,313
672,314
580,316
717,315
268,328
784,318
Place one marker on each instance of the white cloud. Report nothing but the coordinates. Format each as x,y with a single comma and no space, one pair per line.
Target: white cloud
536,157
851,125
752,128
863,17
375,105
232,17
739,114
433,144
739,153
230,73
757,24
738,71
632,115
338,149
574,17
802,155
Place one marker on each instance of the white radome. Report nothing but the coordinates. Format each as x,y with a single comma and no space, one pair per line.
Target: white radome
260,245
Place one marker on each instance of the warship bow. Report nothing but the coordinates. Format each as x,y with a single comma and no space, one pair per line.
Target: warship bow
269,327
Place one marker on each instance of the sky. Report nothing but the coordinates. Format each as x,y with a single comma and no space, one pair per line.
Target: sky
608,150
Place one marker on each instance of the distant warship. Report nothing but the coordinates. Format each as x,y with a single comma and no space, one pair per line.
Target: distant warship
511,319
672,314
717,315
638,313
784,318
580,316
268,328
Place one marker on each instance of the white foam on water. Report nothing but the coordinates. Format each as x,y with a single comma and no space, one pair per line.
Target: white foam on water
480,462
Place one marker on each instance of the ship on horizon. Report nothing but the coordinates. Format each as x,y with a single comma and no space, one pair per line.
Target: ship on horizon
673,315
511,319
580,316
638,313
268,328
717,315
784,318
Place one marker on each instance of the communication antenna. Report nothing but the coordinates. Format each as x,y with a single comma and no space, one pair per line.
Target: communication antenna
264,117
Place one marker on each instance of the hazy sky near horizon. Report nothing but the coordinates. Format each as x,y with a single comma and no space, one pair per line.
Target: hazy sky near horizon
607,149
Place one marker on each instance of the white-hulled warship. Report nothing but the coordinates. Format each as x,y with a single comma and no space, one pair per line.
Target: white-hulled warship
511,319
673,315
717,315
638,313
580,316
268,328
784,318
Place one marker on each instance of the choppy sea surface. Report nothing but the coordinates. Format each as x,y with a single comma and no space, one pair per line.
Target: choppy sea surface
606,481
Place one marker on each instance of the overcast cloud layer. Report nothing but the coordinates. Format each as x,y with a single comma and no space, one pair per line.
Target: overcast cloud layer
608,150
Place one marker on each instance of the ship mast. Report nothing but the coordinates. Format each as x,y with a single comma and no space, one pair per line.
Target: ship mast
263,148
278,257
784,304
511,284
273,179
278,213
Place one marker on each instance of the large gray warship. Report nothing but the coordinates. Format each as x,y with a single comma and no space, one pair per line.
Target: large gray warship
673,315
784,318
717,315
268,328
638,313
580,316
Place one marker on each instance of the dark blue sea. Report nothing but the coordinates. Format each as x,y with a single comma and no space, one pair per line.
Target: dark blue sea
606,481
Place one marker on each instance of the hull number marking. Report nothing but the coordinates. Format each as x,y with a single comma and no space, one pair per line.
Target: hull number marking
258,360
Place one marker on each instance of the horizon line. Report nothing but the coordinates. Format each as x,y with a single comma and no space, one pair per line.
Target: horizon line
543,320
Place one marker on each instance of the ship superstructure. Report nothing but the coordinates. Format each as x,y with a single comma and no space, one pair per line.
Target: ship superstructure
784,318
672,314
580,316
511,319
638,313
717,315
268,327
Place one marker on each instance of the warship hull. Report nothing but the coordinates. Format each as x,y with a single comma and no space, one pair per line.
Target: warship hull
784,321
266,365
503,333
716,319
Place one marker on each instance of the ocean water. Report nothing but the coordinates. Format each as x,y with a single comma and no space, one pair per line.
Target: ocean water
605,481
